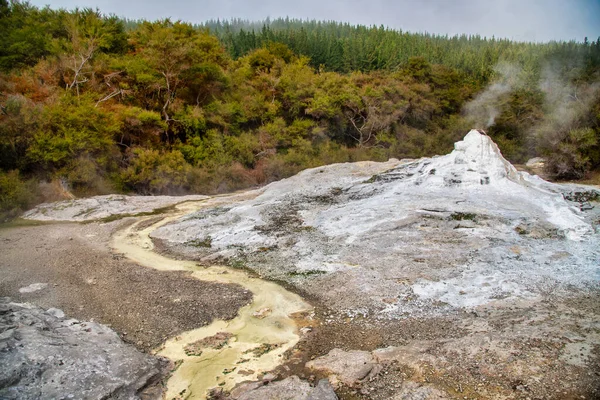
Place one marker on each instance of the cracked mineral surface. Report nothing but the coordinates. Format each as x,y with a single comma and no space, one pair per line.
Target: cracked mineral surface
402,238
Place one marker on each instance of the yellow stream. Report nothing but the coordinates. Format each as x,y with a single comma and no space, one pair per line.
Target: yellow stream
197,374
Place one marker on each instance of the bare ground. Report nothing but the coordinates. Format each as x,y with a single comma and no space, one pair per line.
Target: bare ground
88,282
547,349
542,350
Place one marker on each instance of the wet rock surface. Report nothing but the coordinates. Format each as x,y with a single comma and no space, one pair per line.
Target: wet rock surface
46,356
110,206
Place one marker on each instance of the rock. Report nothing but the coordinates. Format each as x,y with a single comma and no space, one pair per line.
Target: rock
47,357
323,391
217,341
415,391
413,355
268,377
388,354
242,388
215,393
99,207
348,367
56,312
345,233
291,388
262,313
34,287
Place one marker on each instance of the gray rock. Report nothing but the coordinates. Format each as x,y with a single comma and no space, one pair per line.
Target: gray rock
411,355
323,391
415,391
56,312
45,357
34,287
269,377
291,388
243,388
99,207
348,367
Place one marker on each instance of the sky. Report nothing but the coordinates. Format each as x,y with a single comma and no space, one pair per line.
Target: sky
523,20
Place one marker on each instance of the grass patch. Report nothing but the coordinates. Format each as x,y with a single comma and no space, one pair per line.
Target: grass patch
237,263
116,217
305,274
85,213
460,216
582,196
262,349
267,249
22,222
206,242
373,179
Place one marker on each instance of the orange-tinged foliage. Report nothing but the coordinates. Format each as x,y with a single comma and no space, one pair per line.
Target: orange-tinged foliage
164,108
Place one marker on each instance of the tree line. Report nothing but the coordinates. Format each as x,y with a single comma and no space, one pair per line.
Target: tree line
96,104
342,47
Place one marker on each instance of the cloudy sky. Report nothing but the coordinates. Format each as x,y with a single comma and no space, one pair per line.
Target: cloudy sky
535,20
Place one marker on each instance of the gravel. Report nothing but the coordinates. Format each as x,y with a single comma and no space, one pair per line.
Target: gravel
81,276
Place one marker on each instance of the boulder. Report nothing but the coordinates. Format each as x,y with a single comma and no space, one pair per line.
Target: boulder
45,356
347,367
291,388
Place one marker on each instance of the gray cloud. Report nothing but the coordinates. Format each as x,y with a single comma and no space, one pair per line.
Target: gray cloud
531,20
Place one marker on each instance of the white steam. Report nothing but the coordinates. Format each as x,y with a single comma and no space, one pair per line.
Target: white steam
484,108
565,104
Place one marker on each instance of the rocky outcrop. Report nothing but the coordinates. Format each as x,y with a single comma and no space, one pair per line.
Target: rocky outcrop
353,369
45,356
415,237
100,207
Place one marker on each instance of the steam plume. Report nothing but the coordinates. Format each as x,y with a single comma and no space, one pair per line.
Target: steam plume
565,104
484,108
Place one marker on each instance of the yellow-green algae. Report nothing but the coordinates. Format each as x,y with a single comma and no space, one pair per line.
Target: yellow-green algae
195,375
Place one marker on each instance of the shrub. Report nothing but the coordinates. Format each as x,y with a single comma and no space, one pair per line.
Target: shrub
86,178
16,195
573,156
71,128
154,172
206,151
